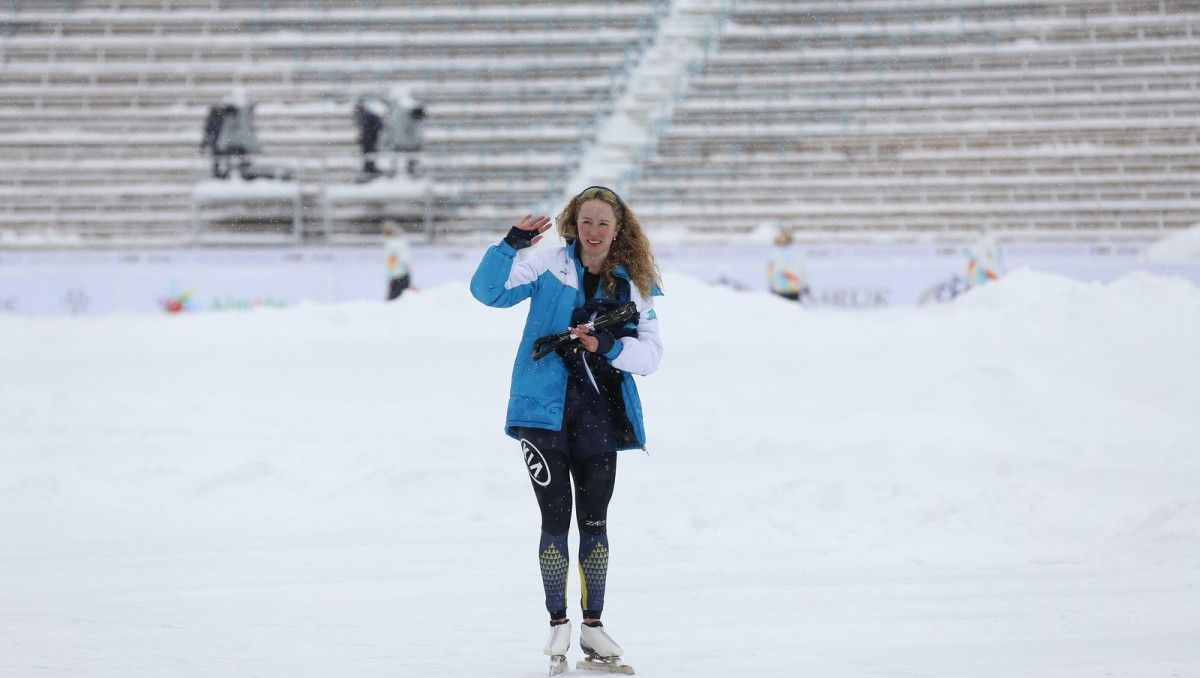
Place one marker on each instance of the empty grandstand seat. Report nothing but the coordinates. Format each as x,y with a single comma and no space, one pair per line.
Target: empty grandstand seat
874,116
114,92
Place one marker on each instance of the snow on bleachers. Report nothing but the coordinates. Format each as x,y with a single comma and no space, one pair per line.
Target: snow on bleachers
856,117
921,116
107,98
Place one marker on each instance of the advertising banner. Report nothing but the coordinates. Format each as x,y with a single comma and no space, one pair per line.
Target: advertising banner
78,283
230,280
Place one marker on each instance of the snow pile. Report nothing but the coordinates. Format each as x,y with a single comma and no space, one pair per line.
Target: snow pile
1182,247
956,434
1001,486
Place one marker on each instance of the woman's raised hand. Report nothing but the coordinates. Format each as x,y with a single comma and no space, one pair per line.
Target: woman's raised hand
531,223
527,231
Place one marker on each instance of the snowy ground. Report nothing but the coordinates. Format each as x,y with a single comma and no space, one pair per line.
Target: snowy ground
1006,486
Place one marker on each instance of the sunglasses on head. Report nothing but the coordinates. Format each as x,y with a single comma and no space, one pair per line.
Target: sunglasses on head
603,193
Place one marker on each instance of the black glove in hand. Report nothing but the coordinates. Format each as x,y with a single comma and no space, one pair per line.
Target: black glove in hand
606,342
520,238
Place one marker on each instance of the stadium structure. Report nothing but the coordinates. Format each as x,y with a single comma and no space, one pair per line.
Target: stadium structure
840,120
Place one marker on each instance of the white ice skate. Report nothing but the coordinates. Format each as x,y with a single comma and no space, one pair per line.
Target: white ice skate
603,653
557,646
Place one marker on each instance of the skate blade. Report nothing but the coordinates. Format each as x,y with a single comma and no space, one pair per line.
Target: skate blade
558,664
606,665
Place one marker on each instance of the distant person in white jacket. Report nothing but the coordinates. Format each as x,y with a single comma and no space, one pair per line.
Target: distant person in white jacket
403,129
786,273
237,135
399,260
986,264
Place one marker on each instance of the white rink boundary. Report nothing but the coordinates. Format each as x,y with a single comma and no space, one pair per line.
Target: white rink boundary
43,283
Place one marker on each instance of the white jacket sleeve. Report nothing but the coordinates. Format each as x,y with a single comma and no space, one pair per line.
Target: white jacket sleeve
640,354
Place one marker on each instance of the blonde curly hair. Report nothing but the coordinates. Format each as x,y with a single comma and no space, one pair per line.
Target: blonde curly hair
630,247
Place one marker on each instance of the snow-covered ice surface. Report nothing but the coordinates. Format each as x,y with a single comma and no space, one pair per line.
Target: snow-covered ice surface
1007,486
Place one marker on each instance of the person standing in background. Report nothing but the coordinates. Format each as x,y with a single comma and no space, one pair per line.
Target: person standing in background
986,263
237,137
403,132
399,260
212,131
368,125
786,273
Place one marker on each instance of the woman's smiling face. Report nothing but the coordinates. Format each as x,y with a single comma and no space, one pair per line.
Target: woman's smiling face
597,226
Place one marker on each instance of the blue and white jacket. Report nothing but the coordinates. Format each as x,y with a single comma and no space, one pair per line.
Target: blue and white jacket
551,279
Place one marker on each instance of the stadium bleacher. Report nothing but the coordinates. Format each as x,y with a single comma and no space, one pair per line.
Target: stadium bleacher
907,118
104,102
852,119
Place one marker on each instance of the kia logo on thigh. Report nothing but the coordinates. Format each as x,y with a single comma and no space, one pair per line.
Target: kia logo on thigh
539,470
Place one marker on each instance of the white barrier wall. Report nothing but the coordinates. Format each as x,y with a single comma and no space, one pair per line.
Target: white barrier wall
208,280
886,275
158,281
